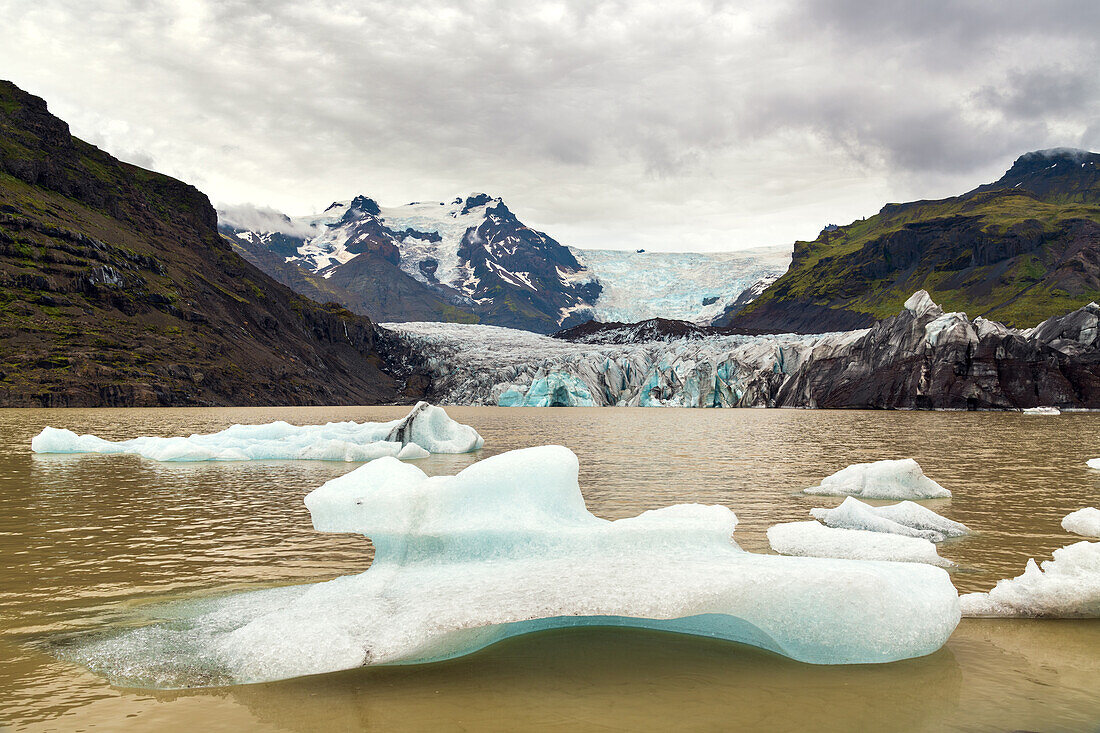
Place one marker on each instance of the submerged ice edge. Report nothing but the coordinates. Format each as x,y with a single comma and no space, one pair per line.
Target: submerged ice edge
507,546
425,430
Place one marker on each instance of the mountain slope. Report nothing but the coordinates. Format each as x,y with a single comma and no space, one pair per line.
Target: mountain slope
116,289
1018,250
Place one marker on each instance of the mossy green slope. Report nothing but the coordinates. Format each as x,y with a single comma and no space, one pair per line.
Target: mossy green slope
1019,250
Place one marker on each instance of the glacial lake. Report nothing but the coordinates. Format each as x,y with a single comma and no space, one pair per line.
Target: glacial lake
94,543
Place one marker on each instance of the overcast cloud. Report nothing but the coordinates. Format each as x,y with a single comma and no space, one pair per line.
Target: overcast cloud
675,126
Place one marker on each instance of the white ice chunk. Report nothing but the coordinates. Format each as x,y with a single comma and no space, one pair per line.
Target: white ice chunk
1067,586
412,451
908,519
902,479
1042,411
1085,522
507,547
1094,463
427,426
810,539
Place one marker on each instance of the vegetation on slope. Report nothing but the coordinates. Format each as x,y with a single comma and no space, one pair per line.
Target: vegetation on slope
1019,250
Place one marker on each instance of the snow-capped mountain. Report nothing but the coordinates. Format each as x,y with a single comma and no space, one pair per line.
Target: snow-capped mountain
473,260
473,252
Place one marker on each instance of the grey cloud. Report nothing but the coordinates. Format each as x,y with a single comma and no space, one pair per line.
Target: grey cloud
620,113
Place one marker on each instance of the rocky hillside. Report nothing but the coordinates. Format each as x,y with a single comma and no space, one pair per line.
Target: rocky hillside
470,260
1019,250
117,289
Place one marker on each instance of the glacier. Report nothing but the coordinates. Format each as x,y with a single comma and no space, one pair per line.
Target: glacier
907,518
687,286
491,365
810,539
426,429
921,358
1085,522
508,547
901,479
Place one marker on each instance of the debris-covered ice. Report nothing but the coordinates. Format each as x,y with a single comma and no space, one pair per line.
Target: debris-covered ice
907,518
426,429
507,547
902,479
810,539
1085,522
1067,586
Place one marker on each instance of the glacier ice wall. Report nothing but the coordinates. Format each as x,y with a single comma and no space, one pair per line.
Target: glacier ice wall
507,547
426,429
490,365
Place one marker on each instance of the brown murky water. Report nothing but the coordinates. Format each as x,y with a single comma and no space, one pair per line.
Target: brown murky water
88,541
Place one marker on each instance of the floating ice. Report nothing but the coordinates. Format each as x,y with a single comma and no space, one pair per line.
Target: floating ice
1042,411
881,480
507,547
1094,463
1085,522
426,429
1066,587
907,519
810,539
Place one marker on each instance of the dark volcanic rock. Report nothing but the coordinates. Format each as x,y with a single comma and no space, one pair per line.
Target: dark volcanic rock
925,359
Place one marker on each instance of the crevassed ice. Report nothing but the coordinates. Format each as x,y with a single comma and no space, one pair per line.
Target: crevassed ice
1067,586
426,429
902,479
810,539
1085,522
907,518
508,547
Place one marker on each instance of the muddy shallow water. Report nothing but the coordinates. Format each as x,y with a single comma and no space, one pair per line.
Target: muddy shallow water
92,543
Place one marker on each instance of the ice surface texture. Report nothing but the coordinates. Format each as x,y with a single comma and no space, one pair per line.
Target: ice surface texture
907,519
810,539
1085,522
1067,586
426,429
881,480
507,547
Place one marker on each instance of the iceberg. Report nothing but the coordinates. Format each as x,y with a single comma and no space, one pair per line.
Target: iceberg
1085,522
907,518
810,539
508,547
902,479
426,429
1067,586
1042,411
1093,463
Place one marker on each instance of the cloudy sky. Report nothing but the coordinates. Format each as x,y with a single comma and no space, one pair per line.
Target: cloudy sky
666,125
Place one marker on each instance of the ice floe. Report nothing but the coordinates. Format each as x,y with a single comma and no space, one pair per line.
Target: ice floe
1042,411
1085,522
1093,463
810,539
907,518
507,547
902,479
1067,586
426,429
